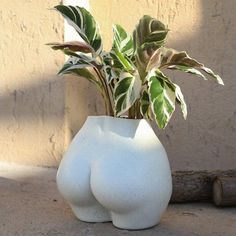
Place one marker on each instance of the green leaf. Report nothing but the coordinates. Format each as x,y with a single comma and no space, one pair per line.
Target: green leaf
127,91
122,42
122,49
178,92
145,107
83,22
162,97
127,65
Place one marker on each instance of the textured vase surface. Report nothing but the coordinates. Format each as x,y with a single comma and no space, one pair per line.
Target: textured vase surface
116,170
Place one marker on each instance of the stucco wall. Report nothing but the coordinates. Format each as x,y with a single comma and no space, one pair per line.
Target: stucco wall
206,29
39,112
32,98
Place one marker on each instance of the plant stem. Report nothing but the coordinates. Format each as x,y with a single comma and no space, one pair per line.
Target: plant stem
134,111
108,94
131,112
108,102
137,109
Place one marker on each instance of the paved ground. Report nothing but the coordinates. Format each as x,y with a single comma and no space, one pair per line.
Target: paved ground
30,205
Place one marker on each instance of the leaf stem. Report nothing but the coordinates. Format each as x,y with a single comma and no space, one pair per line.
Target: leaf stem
109,106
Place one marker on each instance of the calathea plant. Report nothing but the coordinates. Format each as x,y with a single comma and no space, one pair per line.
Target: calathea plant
130,76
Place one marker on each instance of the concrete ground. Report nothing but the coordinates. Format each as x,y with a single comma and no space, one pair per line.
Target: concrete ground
30,205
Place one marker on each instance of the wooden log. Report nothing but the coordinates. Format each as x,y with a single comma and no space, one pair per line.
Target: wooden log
224,191
190,186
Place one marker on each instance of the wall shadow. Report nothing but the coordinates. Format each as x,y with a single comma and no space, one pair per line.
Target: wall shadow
205,140
43,99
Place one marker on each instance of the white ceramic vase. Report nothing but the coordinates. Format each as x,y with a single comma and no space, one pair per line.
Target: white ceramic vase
116,170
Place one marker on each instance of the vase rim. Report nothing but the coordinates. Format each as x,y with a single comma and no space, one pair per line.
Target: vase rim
115,125
112,117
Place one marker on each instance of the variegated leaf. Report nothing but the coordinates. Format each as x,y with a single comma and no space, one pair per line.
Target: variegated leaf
122,42
149,35
167,57
111,67
211,73
124,61
172,59
74,46
194,71
109,58
73,63
145,107
81,70
189,70
178,93
181,101
110,74
83,22
126,92
162,97
122,49
82,59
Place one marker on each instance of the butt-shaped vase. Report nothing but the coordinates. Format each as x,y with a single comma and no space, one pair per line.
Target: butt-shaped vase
117,170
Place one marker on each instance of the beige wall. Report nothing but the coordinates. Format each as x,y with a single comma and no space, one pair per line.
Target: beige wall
40,112
206,29
32,98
